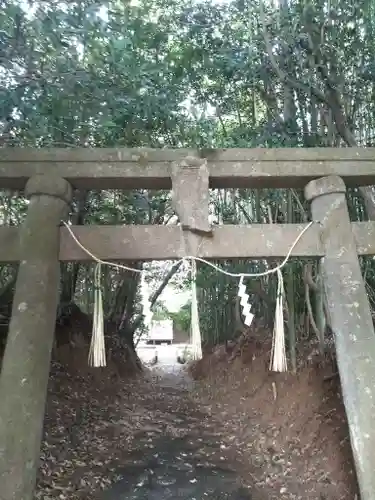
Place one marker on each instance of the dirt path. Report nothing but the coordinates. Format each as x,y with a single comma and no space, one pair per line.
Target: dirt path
179,455
238,432
138,440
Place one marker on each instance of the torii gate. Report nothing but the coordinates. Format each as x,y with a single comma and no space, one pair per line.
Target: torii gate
40,244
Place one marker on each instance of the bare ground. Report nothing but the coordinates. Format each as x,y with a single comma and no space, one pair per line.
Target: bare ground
110,438
291,430
240,433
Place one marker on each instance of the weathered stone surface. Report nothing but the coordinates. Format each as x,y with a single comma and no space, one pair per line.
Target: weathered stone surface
101,168
25,370
49,185
170,242
113,155
166,242
190,194
351,322
323,186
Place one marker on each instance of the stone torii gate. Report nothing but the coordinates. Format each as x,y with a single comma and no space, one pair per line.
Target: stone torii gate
41,243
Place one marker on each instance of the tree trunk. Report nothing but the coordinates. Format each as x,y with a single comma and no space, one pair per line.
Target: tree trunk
154,297
70,272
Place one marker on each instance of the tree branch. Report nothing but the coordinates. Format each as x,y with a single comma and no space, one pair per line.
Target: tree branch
154,297
284,77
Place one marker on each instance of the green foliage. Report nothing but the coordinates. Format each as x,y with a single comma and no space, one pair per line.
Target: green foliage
182,318
187,74
160,311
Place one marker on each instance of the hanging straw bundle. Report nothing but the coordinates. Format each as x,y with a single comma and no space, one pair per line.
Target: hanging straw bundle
278,361
97,356
196,339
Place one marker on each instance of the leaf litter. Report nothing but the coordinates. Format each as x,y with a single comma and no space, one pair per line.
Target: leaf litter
238,431
110,438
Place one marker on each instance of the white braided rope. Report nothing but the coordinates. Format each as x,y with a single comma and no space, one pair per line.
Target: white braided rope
278,363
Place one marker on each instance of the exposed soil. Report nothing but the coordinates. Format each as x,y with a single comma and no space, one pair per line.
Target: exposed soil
291,429
240,432
145,438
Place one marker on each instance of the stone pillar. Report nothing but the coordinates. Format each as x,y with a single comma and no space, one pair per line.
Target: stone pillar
350,318
26,363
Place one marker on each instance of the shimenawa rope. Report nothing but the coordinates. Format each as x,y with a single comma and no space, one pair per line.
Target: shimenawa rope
278,363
